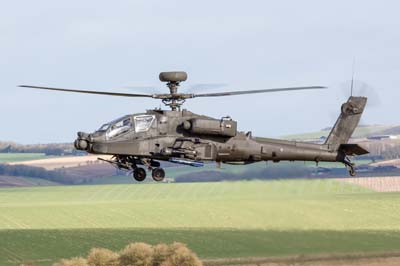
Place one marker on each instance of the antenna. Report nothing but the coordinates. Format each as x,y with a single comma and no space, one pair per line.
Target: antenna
352,77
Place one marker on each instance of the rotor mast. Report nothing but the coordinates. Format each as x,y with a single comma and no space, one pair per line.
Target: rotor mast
174,100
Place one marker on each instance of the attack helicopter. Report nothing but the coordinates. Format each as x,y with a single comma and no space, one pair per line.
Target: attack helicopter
139,142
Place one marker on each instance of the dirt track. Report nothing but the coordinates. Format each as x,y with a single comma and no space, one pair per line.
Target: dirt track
378,259
394,162
380,184
60,162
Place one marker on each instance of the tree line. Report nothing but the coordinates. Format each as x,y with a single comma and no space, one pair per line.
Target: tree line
59,175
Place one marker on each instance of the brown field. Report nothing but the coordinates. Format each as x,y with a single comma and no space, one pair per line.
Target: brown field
394,162
63,162
91,171
380,184
378,259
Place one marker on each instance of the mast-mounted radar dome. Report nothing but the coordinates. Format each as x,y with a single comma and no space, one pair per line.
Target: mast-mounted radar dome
175,76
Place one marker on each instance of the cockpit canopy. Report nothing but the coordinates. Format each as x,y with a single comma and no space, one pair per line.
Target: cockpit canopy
128,123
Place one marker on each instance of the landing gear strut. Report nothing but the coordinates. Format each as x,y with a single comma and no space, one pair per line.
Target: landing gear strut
350,166
139,173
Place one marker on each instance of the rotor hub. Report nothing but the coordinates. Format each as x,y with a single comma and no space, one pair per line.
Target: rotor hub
173,80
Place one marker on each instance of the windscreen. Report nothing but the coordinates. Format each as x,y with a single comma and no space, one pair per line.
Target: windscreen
143,122
119,126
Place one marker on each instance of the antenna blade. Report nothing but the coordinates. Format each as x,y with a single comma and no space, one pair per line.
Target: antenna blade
232,93
352,76
89,92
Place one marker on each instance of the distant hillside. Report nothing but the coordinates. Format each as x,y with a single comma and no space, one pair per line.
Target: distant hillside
25,175
361,132
19,181
47,149
392,131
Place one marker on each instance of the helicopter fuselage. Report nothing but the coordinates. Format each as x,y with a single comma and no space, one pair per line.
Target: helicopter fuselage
185,135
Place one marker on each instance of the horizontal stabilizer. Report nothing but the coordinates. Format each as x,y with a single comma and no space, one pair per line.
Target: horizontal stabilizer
353,149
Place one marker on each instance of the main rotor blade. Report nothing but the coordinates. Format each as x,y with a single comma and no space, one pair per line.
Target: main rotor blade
145,89
204,86
89,92
231,93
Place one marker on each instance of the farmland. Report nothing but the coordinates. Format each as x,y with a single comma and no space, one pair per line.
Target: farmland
20,157
51,163
217,220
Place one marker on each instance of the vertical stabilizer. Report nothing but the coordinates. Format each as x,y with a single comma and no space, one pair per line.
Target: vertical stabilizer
347,122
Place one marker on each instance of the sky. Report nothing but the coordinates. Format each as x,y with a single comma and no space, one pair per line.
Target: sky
111,45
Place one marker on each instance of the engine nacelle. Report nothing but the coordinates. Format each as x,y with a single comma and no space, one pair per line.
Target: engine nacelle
201,126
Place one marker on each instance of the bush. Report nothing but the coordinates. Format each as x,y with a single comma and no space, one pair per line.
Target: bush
160,254
102,257
72,262
180,255
136,254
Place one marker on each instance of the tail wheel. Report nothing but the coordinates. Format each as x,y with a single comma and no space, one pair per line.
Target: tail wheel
158,174
139,174
352,171
350,166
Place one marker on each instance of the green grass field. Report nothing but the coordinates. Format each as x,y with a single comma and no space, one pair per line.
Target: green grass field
20,157
217,220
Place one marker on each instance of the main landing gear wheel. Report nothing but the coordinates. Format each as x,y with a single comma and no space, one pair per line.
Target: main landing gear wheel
139,174
158,174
